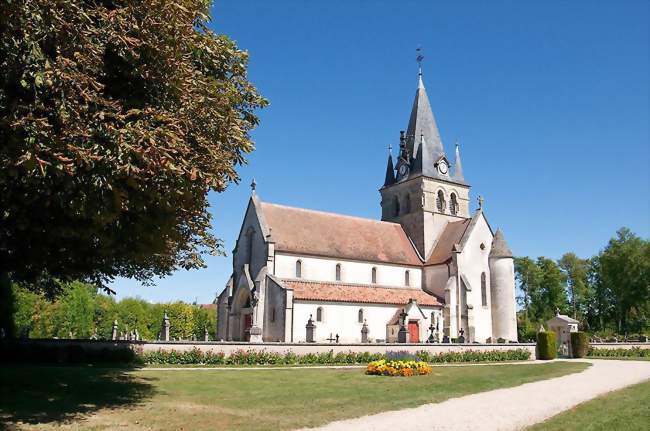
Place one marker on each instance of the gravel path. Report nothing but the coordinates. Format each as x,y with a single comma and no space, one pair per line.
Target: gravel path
509,408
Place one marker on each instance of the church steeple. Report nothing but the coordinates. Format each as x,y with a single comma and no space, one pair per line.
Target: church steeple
390,169
422,136
458,167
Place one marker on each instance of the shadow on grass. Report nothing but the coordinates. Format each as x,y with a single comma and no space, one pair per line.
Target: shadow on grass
42,394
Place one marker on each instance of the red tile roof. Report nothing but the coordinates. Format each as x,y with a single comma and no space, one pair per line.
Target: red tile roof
342,292
301,231
452,234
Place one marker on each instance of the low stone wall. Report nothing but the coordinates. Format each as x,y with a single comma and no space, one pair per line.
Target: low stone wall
298,348
625,346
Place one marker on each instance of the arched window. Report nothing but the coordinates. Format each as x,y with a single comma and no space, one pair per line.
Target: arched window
360,316
319,314
396,205
298,268
440,202
338,272
453,204
374,274
273,315
483,290
408,204
407,278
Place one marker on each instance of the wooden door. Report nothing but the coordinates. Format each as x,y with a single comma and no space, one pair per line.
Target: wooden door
414,332
248,322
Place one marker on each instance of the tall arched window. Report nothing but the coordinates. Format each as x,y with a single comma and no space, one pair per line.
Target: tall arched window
273,315
483,290
407,278
298,268
453,204
408,204
338,272
319,314
374,275
360,316
396,205
440,202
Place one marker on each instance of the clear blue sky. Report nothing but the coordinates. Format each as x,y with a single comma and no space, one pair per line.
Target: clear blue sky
550,102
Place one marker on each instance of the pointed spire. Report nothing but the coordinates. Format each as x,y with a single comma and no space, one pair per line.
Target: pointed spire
458,167
500,246
390,169
423,138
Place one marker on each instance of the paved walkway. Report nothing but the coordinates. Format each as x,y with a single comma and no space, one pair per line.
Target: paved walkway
509,408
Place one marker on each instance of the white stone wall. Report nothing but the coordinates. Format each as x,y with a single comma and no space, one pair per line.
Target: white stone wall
472,262
324,269
504,312
275,312
342,319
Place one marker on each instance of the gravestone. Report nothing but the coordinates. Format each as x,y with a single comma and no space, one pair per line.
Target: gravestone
206,335
402,334
364,332
165,328
309,336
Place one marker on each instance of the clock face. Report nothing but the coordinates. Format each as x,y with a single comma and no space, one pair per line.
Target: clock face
403,170
442,167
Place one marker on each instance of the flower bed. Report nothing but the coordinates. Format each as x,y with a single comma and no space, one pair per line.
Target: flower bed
398,368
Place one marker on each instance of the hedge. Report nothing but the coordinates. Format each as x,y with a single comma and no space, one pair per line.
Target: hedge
33,353
261,357
546,345
579,344
634,352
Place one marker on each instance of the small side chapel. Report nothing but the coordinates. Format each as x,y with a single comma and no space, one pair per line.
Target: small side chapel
428,264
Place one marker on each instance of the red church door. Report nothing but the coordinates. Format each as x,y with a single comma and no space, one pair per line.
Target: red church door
248,322
414,332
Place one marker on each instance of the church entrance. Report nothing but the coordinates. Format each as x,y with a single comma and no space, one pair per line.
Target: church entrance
414,332
248,322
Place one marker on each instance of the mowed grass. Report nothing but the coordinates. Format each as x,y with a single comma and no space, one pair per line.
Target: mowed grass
625,410
89,398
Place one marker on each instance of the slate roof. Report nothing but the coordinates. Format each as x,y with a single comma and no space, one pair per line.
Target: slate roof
309,232
500,246
453,234
358,293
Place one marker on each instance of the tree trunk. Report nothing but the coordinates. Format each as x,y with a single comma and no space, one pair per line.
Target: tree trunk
7,306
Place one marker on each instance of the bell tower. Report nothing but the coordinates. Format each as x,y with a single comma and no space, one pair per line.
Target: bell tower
420,191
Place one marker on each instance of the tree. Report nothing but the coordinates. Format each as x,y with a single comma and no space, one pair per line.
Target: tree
576,272
624,276
116,120
553,288
528,275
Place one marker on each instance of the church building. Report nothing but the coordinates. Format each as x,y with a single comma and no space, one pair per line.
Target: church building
429,266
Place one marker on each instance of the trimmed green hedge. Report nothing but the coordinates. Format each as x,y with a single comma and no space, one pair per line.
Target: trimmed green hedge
546,345
634,352
579,344
255,357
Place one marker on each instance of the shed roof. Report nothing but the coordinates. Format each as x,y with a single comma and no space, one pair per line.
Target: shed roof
303,231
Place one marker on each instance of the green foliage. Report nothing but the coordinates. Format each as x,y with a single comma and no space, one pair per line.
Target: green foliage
607,292
579,344
546,345
263,357
634,352
118,118
80,312
54,353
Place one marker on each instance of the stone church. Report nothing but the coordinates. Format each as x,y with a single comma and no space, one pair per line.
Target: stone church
430,266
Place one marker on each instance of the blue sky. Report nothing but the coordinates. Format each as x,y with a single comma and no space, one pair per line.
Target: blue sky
550,103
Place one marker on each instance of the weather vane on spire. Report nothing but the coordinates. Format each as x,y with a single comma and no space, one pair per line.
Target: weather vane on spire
419,59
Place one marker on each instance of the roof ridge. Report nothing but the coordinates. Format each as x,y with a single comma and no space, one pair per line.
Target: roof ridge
333,213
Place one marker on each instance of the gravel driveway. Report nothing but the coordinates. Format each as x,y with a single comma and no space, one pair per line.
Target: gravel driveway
509,408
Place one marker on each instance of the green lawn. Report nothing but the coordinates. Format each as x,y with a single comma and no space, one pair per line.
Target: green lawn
91,398
625,410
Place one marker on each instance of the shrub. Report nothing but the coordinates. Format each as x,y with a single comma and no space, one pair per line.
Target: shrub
579,344
546,345
634,352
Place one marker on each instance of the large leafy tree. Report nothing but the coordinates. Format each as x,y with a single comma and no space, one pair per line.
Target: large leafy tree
576,271
116,120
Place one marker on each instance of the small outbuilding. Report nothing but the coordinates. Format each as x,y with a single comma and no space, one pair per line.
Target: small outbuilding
563,326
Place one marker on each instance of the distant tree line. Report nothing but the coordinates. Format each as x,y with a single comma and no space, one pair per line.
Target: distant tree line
607,293
82,311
